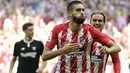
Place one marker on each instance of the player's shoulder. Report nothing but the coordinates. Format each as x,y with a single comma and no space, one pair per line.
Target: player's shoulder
89,27
38,41
86,25
19,42
62,25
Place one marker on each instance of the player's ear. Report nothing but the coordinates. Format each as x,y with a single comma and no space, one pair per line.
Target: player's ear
105,24
90,20
69,13
24,31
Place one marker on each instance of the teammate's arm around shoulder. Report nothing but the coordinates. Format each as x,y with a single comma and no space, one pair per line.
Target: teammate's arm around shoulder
113,47
110,49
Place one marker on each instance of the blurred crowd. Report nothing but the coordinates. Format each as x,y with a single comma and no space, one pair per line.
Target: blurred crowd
45,14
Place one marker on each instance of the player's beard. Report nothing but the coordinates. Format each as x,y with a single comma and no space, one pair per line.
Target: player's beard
78,20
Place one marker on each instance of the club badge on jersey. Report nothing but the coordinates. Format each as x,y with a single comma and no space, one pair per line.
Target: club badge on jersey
81,42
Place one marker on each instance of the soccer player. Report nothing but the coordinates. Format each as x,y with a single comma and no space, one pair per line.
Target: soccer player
74,40
98,58
28,52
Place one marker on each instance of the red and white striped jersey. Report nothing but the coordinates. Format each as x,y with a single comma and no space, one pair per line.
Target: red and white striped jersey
99,60
75,62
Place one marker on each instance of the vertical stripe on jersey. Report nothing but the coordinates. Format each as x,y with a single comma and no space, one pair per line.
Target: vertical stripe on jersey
97,64
73,59
62,40
93,52
59,39
105,61
81,63
68,37
89,45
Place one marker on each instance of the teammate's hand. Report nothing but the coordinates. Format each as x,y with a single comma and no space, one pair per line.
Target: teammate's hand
104,49
70,47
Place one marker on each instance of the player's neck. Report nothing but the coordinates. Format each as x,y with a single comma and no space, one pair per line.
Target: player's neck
75,27
28,38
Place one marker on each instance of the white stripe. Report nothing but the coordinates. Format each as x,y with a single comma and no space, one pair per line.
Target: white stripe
58,65
90,41
67,66
105,60
79,58
96,67
67,60
59,39
59,57
69,35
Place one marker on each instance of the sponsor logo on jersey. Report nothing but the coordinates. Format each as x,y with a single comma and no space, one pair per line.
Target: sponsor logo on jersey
96,58
79,53
29,54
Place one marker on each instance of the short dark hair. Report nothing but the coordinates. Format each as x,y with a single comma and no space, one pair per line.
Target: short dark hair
104,16
70,5
26,25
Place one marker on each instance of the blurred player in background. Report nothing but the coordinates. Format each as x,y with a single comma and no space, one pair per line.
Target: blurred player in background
28,52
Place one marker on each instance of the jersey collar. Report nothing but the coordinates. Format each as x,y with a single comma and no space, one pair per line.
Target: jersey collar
27,41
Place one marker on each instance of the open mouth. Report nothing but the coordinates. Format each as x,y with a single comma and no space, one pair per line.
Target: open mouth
97,25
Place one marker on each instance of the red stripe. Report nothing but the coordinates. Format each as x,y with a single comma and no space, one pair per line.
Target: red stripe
100,69
92,67
62,59
84,65
94,47
62,66
63,37
73,60
73,65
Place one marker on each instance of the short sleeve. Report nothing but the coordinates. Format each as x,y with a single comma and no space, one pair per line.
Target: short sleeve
41,47
52,39
16,51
